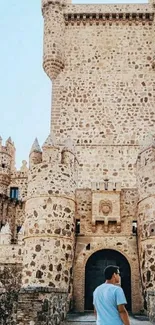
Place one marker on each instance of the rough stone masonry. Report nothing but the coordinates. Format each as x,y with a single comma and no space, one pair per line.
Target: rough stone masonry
86,199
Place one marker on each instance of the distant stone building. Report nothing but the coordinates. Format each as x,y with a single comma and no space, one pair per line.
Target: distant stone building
87,198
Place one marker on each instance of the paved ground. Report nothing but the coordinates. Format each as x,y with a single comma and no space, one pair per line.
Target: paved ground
89,319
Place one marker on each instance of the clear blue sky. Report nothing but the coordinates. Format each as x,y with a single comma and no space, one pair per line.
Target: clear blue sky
25,91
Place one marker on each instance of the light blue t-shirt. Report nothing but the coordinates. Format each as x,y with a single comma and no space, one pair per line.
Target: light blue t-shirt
106,298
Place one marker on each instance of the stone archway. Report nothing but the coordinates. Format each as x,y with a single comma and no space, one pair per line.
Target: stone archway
94,274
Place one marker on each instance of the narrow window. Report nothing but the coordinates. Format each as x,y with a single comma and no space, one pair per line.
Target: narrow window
88,247
18,229
77,227
134,226
14,192
1,224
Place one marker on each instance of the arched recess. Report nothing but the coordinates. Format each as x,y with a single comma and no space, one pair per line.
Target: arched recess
94,274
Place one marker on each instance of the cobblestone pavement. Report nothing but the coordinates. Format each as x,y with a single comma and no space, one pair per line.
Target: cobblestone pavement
89,319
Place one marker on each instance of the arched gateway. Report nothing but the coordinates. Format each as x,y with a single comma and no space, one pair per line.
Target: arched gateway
94,274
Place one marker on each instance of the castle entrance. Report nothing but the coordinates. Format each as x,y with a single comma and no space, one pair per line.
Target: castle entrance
94,274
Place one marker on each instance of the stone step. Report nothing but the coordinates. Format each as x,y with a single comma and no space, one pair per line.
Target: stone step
89,319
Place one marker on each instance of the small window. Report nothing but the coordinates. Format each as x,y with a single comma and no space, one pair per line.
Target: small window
14,192
88,247
77,229
1,224
18,229
3,165
134,227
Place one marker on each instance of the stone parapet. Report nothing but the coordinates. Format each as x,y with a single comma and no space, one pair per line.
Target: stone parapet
109,8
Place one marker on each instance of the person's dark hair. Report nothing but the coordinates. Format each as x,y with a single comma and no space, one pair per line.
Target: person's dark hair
110,270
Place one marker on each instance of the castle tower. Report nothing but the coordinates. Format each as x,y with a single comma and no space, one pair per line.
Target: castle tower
7,164
49,227
146,223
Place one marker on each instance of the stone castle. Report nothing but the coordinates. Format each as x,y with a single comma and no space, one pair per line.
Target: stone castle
87,198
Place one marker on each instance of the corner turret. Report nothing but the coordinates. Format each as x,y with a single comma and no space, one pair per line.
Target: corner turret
54,32
35,156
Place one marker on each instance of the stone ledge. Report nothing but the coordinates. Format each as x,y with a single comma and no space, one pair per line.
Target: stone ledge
42,290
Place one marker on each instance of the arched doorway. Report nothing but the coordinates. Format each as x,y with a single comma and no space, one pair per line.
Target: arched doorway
94,274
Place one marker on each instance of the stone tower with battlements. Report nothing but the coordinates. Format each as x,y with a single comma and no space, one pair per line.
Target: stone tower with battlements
86,199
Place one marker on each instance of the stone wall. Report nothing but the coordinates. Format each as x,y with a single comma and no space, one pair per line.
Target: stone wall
42,306
104,74
10,282
103,98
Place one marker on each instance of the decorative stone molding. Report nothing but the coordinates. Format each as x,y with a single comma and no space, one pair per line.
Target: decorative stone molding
102,18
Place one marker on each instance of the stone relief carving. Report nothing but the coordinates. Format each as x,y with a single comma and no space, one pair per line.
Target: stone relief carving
105,207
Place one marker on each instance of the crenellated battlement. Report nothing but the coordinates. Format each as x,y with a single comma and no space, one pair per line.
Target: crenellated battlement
8,148
46,3
52,153
106,186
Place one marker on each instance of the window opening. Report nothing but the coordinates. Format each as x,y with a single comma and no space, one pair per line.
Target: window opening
134,226
14,192
1,224
88,247
18,229
77,226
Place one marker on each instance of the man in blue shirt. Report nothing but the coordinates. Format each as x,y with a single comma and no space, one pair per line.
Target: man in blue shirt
109,300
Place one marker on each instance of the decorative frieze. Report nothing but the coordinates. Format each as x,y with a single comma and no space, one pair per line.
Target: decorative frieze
102,18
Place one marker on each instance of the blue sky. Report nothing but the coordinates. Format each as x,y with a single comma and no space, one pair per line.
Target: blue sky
25,96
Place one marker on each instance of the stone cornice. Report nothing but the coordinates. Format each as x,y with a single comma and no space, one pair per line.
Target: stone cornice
102,18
